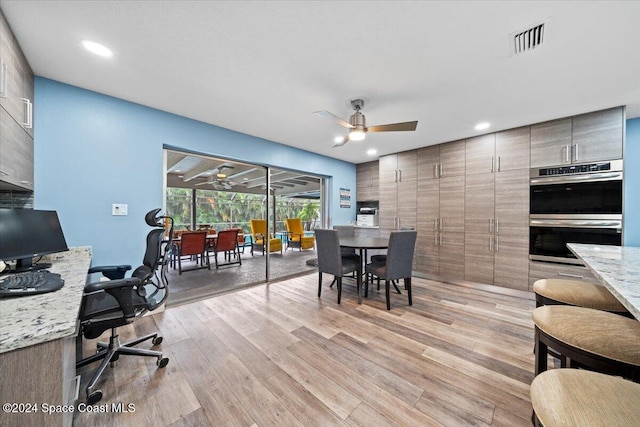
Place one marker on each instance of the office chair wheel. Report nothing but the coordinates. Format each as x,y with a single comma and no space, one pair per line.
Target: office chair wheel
94,397
162,362
156,340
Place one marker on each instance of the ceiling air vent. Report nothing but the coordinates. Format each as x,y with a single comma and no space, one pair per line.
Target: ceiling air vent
528,39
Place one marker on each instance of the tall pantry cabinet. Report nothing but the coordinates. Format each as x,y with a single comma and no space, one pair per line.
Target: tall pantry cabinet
496,249
397,191
440,207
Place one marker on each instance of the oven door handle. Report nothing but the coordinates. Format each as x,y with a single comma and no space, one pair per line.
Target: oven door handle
588,177
576,223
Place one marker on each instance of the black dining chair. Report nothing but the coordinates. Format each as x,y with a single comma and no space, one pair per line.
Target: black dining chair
331,261
398,264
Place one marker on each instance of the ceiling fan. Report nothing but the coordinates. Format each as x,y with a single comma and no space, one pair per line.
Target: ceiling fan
219,180
358,127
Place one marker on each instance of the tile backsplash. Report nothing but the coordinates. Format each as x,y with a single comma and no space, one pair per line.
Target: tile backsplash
16,199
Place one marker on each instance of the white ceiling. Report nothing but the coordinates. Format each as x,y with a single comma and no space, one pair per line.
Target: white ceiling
264,67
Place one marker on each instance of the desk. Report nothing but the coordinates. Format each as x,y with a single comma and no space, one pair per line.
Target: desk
363,244
617,268
37,343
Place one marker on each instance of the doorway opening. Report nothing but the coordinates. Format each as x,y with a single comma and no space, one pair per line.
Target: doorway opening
212,194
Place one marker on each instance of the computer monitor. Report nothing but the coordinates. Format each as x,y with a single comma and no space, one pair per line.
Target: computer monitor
28,233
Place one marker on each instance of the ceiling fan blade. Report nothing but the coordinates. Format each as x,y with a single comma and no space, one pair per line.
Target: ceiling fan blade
332,116
341,143
393,127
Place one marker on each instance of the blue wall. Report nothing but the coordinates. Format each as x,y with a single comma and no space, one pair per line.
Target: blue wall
632,184
92,150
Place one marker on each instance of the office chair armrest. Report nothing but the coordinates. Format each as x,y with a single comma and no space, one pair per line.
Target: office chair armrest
129,282
112,272
120,290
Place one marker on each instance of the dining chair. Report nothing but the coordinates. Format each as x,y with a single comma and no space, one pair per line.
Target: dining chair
330,260
241,238
227,243
398,264
193,244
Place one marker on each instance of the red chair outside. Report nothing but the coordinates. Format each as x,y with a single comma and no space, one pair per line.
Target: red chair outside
193,244
227,242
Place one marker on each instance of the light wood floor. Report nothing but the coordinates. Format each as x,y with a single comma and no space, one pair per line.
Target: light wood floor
276,355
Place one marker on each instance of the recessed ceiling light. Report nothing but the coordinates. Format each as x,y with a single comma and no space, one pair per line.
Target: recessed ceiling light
483,126
338,139
372,151
97,48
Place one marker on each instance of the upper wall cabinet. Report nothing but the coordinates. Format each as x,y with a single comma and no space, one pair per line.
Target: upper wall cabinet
16,79
497,152
16,118
367,181
585,138
598,135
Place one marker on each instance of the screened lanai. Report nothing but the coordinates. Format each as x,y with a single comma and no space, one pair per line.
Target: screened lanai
213,194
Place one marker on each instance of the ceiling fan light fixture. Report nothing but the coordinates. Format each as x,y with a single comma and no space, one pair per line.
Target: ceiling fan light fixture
338,139
356,135
221,175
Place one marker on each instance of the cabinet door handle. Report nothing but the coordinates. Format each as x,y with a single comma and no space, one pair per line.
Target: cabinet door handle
435,238
3,78
576,153
490,225
492,164
497,242
400,175
441,224
490,243
440,239
498,163
566,154
497,222
575,276
435,171
435,224
395,175
441,170
28,113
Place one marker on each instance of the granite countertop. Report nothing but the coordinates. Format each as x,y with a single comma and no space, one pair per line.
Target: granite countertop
35,319
617,268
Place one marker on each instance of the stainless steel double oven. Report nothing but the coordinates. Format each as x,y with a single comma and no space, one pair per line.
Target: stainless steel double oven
580,203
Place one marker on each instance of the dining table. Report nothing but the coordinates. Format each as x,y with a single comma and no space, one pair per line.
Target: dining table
363,244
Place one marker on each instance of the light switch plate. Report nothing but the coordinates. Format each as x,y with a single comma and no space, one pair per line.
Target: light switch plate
119,209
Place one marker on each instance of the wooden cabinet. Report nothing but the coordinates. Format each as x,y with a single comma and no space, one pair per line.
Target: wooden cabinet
496,249
397,191
598,135
367,181
16,155
440,219
16,119
548,270
584,138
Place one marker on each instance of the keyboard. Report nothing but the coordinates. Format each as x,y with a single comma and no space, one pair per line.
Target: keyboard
30,283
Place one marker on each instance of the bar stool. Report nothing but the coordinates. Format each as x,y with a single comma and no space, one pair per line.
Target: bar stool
577,293
573,397
594,339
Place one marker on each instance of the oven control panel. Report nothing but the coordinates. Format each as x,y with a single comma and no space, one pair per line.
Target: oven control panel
562,170
577,169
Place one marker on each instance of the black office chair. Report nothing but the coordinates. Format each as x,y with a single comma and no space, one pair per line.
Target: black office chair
119,301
